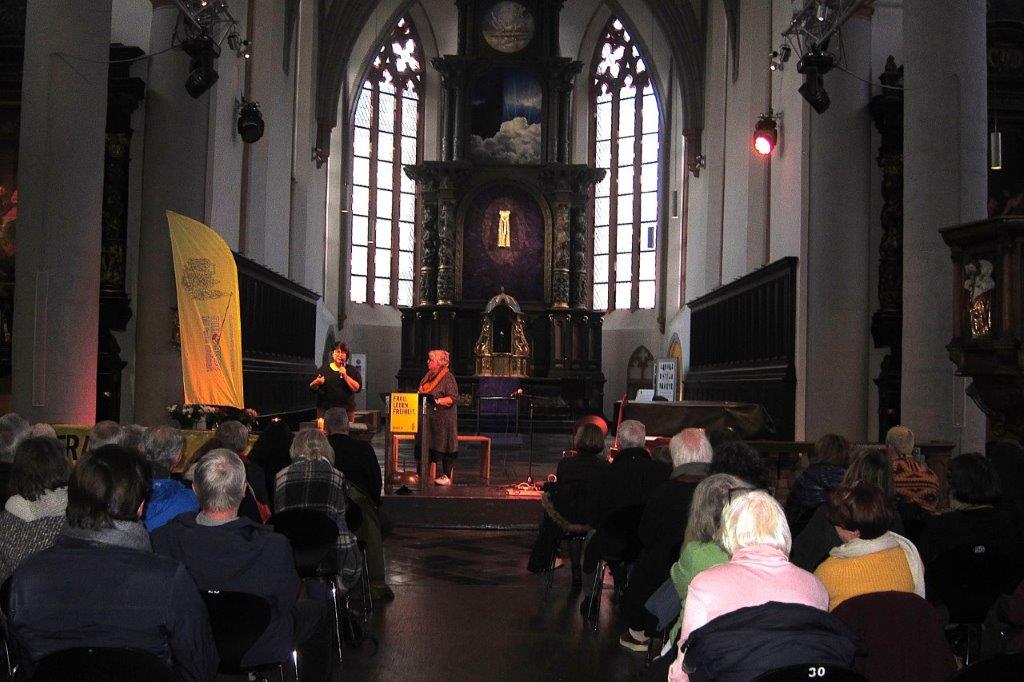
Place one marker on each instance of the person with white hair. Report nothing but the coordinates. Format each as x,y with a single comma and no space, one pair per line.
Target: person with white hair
662,527
755,534
621,493
443,419
225,551
234,435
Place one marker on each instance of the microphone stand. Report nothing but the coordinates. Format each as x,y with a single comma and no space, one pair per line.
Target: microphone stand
530,483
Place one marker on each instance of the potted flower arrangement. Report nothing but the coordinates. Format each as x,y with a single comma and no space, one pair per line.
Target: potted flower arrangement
191,416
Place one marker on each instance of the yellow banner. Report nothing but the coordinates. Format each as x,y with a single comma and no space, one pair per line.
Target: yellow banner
208,314
404,413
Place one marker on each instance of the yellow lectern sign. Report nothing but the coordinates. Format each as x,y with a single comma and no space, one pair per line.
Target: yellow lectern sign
404,413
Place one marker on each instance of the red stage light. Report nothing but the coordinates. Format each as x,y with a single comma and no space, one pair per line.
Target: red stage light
766,135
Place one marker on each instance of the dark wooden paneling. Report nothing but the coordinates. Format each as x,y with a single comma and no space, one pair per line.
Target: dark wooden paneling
278,339
742,340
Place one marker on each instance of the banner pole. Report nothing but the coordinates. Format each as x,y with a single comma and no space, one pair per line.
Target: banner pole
424,447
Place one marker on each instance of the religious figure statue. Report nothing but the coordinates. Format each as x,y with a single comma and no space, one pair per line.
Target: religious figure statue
504,231
979,282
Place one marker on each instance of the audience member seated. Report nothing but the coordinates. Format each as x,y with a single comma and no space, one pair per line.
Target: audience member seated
567,502
810,490
234,435
974,518
632,476
1007,456
901,636
270,451
739,459
13,430
102,433
34,514
702,549
917,486
812,545
756,536
312,482
357,462
626,484
42,430
223,551
131,437
872,558
662,528
101,585
162,445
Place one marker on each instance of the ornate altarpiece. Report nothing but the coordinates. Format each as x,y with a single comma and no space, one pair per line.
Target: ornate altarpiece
503,211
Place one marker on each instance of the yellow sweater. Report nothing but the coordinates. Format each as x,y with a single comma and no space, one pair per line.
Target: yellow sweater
884,571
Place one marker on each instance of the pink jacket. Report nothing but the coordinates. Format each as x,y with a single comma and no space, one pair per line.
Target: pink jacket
753,576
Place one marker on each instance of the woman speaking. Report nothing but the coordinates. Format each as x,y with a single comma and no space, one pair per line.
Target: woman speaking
336,383
443,438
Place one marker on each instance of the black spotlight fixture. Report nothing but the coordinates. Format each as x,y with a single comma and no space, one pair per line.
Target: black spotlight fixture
201,74
814,65
250,122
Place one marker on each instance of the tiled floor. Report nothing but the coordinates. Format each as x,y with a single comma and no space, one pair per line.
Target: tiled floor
467,609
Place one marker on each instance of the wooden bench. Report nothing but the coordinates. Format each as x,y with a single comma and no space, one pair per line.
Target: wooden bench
485,454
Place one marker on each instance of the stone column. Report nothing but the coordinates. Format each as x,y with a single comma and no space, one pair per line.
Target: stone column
945,183
60,179
173,177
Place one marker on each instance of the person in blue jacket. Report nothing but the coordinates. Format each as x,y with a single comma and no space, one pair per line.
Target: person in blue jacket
167,497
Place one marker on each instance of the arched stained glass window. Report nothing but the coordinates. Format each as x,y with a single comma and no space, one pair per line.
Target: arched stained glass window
386,136
624,140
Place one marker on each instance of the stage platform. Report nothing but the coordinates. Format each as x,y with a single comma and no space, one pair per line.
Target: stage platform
471,502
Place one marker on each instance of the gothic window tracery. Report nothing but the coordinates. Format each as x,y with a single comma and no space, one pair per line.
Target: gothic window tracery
625,141
386,136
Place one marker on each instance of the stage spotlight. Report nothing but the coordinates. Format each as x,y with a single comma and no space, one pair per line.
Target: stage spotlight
250,122
766,135
201,74
814,65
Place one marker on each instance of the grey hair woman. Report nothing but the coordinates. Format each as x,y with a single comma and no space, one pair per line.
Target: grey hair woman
311,482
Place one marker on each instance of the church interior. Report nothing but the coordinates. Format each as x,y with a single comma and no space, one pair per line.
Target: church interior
786,219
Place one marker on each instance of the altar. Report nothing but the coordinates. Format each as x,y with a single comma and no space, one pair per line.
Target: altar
505,220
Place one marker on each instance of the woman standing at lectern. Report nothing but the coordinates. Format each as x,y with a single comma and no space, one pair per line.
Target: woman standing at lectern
336,383
443,438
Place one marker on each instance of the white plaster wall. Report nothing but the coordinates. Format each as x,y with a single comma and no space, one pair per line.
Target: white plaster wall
839,251
130,22
268,210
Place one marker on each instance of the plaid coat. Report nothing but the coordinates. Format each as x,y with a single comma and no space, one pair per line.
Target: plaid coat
317,485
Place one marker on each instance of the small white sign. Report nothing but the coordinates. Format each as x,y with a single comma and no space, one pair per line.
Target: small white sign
358,360
644,395
665,378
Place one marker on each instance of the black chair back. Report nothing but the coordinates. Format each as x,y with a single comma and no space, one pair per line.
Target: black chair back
237,620
1008,667
312,535
810,671
968,579
102,665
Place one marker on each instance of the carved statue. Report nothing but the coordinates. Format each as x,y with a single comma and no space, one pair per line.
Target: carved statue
504,231
520,346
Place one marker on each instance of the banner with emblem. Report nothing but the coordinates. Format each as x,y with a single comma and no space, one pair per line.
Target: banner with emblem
208,314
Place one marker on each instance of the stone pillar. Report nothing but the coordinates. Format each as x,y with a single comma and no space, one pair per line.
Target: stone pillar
173,177
60,178
945,183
